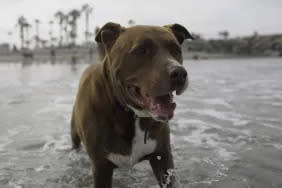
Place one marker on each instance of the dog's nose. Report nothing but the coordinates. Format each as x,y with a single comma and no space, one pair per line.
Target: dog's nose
178,75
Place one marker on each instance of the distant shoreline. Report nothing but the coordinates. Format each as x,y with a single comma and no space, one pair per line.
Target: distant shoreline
205,55
61,55
80,55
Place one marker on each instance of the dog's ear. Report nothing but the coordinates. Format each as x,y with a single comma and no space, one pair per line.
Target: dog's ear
180,32
108,34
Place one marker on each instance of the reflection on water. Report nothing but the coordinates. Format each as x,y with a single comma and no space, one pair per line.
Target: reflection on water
226,133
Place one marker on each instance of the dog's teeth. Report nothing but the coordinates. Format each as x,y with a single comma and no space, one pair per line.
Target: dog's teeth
171,96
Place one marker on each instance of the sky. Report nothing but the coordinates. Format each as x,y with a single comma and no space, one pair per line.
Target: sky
206,17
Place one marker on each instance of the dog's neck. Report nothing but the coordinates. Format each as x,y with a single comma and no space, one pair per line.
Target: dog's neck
135,115
139,113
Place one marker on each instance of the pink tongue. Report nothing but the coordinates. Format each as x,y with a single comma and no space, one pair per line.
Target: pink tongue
165,109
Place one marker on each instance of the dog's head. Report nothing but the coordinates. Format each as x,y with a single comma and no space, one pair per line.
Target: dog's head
144,64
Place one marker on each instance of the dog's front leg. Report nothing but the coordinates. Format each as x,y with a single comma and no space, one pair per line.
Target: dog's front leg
162,165
102,173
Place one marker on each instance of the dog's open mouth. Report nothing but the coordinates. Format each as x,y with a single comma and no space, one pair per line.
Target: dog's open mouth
161,107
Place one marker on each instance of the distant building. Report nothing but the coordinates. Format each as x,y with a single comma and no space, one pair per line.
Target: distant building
4,48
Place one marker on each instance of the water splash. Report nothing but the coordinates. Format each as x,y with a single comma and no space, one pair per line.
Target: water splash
171,179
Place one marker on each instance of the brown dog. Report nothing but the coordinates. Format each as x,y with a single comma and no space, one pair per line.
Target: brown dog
123,104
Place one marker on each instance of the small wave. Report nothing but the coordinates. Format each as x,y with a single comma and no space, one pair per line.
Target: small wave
42,168
184,123
16,102
206,132
17,184
64,100
55,108
271,126
276,104
13,132
61,144
33,146
208,135
241,122
226,155
233,117
217,101
6,140
278,146
62,107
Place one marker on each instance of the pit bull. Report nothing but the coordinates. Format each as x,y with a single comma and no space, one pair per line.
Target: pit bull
124,103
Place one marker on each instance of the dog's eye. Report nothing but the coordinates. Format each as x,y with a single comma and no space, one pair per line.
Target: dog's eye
175,50
140,50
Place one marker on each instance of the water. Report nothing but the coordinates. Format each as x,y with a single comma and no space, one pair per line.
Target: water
227,131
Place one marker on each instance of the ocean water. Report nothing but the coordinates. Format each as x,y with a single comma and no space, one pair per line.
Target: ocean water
227,131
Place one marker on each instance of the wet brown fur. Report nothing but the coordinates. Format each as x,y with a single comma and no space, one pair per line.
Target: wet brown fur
99,121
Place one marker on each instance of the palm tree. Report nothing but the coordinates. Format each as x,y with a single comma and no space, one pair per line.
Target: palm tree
65,28
51,23
21,23
74,15
27,26
87,10
37,38
61,18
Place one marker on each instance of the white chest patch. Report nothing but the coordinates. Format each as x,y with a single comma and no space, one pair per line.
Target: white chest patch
139,149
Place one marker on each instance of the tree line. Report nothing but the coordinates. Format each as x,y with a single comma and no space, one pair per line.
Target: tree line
68,29
254,45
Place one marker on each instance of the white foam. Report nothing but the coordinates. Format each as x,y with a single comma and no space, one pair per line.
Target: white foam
234,117
170,174
6,140
226,155
61,144
182,123
61,106
209,182
271,126
200,138
17,184
240,122
277,146
41,168
78,155
276,104
4,143
220,81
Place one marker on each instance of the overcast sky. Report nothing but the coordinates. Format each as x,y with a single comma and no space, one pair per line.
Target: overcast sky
207,17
